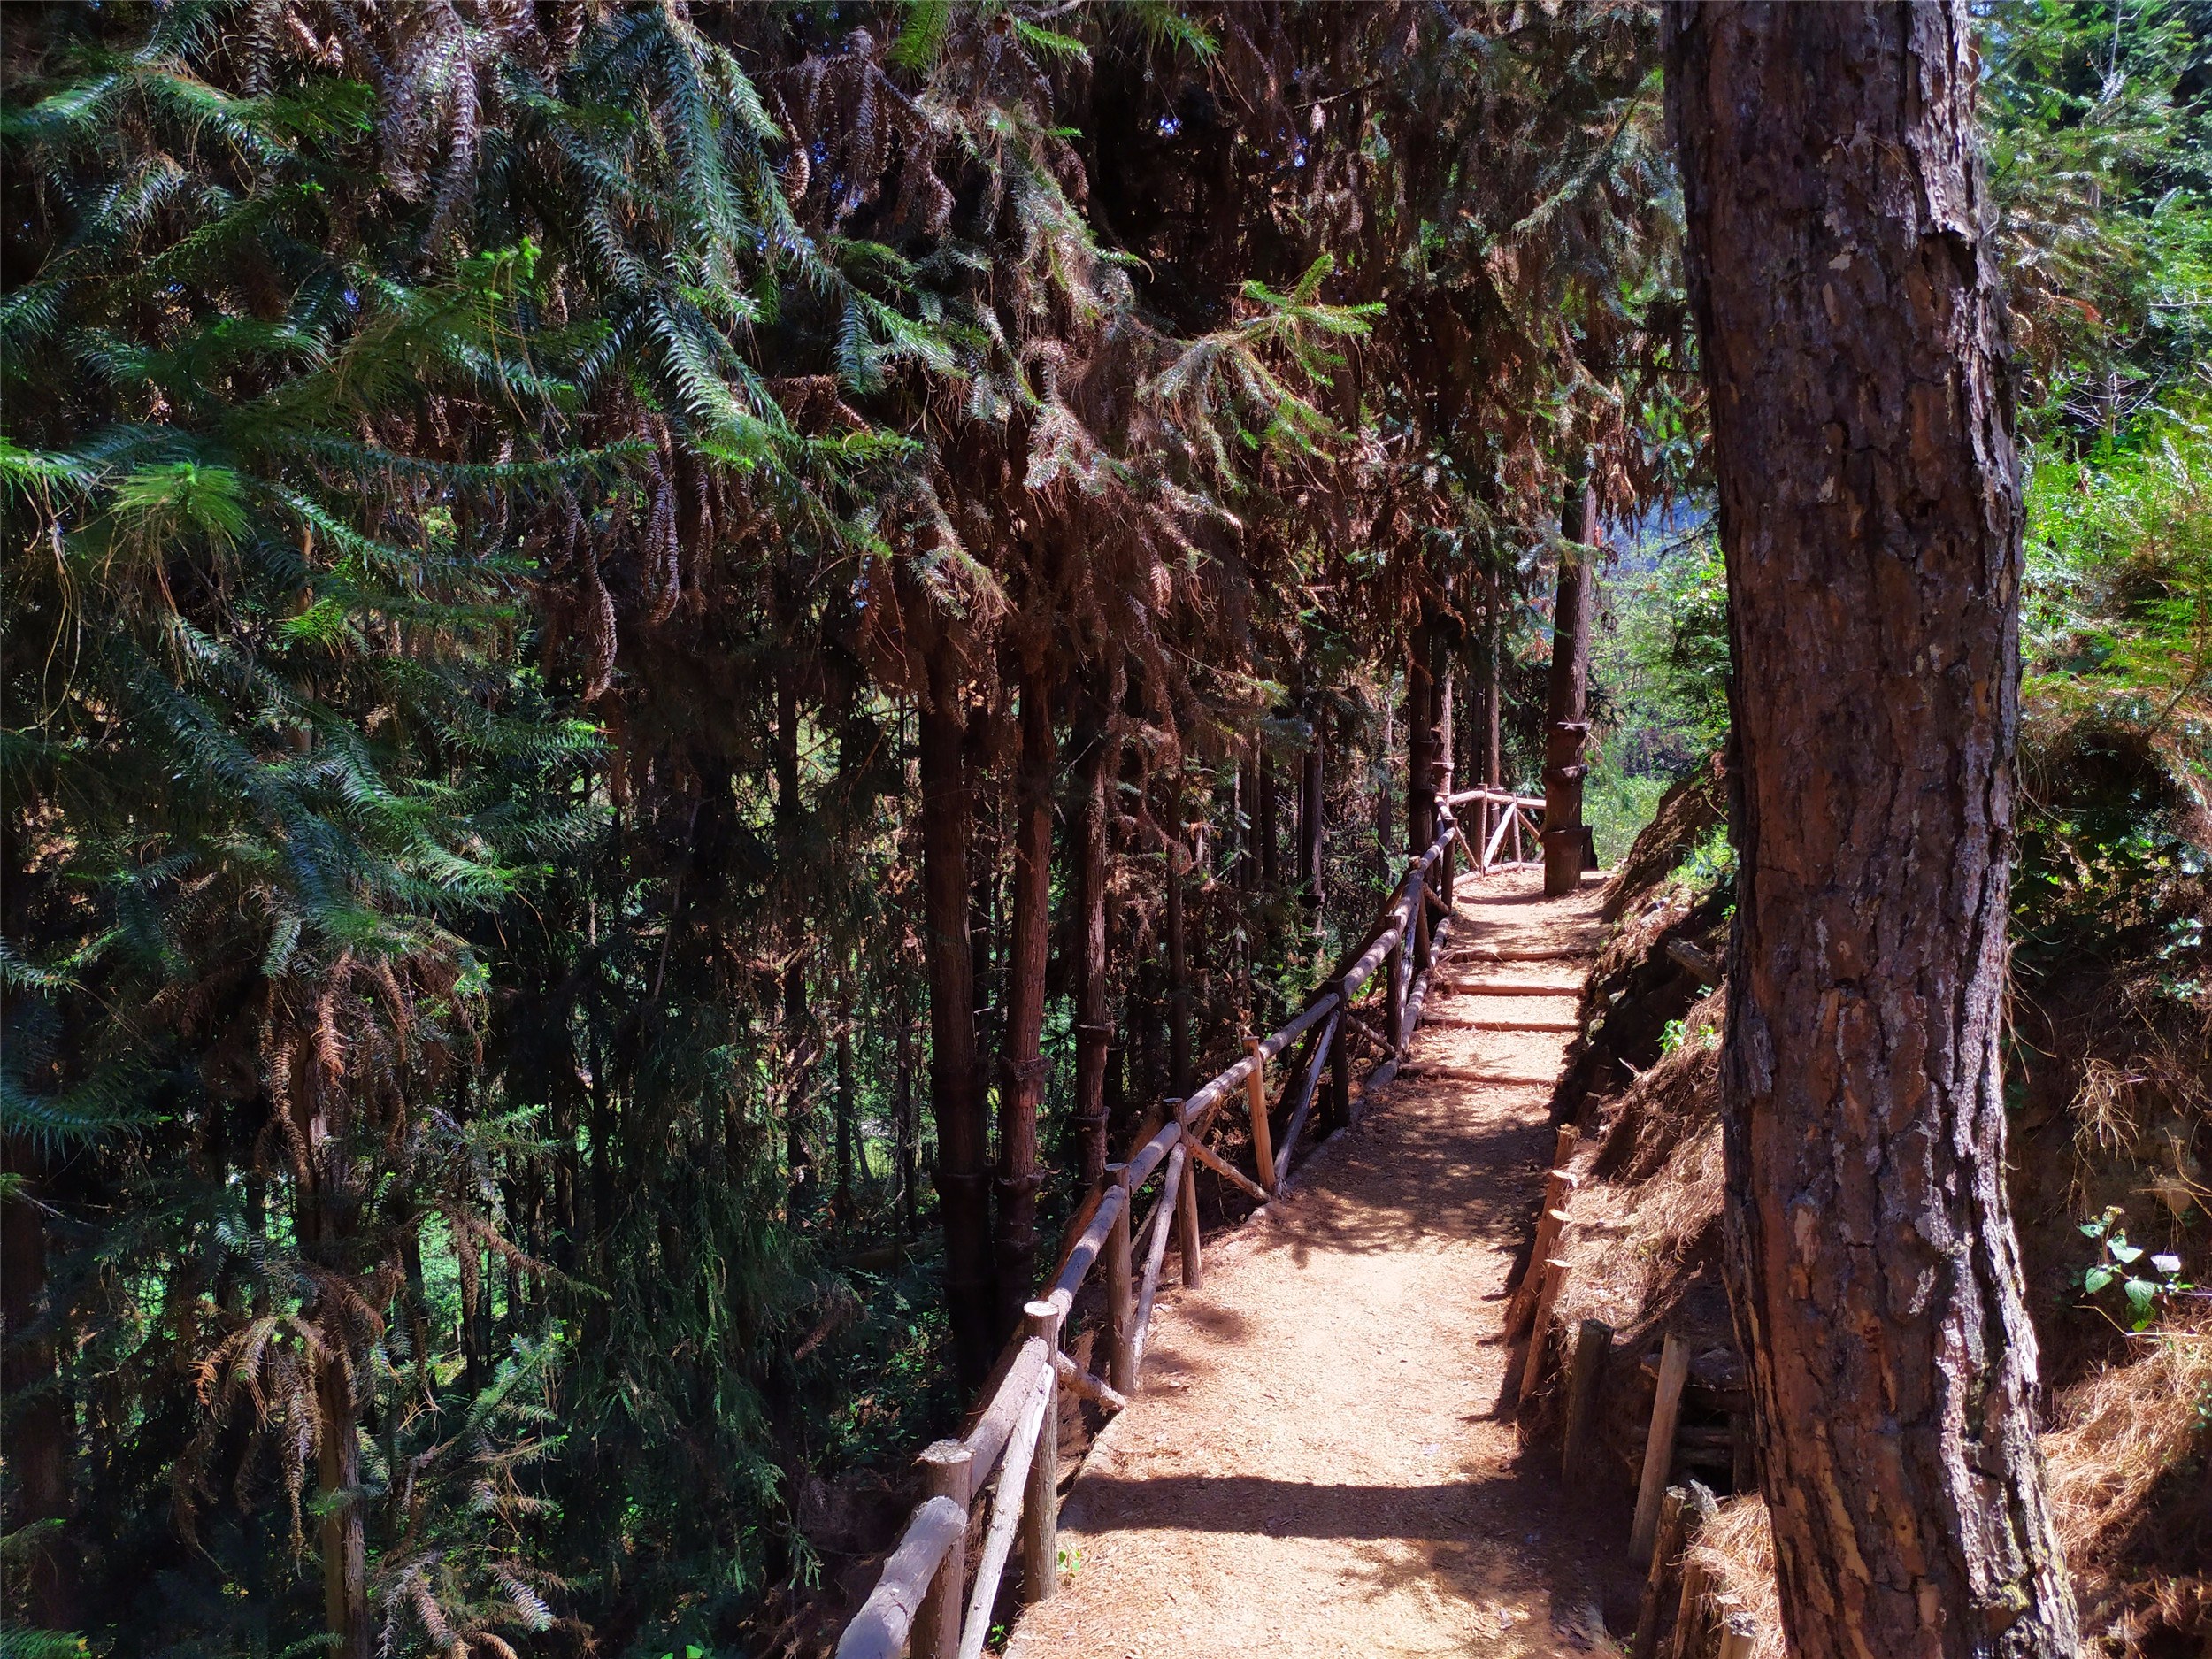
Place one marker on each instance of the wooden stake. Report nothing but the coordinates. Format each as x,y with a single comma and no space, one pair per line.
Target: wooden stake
1041,1508
1569,1142
1554,1276
936,1634
1666,1414
1594,1347
1186,1208
1690,1616
1549,1226
1736,1634
1653,1610
1121,1297
1255,1097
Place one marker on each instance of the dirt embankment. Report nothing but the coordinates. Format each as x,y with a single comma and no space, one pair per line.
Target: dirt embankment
2109,1111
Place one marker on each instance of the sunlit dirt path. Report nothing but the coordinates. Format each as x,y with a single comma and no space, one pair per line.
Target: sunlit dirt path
1317,1463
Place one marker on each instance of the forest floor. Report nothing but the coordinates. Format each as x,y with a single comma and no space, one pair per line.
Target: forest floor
1318,1461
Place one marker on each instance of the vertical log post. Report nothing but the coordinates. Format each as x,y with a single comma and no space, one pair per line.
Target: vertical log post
1393,990
1569,1142
1340,1066
1651,1613
1040,1505
1550,1226
1691,1614
1256,1098
1187,1206
1594,1347
1121,1311
946,1467
1666,1413
1737,1634
1546,1297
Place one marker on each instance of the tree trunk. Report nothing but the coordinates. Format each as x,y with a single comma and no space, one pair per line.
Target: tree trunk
845,1115
905,1147
1094,1017
30,1382
1846,299
1384,795
1178,1051
1310,811
1420,741
1021,1065
963,1182
798,1103
1492,688
1566,718
1264,814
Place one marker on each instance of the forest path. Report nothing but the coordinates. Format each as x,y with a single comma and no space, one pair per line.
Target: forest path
1317,1463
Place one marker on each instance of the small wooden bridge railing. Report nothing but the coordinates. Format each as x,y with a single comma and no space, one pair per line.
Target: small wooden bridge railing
928,1600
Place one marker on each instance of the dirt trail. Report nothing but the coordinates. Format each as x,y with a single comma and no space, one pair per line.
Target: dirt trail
1317,1463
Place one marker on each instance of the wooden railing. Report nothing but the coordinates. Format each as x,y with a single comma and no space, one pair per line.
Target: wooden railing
928,1601
1497,813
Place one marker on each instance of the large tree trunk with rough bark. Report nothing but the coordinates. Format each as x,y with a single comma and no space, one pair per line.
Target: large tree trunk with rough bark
1845,295
963,1181
1021,1090
1566,719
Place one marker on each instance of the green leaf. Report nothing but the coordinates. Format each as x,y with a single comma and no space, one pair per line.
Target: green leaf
2096,1279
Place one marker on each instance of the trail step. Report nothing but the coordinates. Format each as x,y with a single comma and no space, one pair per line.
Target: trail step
1462,1022
1521,953
1514,988
1463,1074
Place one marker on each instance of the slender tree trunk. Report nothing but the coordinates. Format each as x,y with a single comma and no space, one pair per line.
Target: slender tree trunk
1094,1016
1178,1049
846,1114
1385,792
1311,809
342,1541
1264,813
1492,683
1421,739
1566,720
963,1181
1021,1090
1847,298
798,1104
905,1142
30,1382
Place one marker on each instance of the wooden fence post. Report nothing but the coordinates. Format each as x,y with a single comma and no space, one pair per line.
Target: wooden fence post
1652,1612
1394,991
946,1467
1546,1297
1340,1064
1120,1294
1041,1506
1549,1227
1187,1206
1666,1413
1256,1101
1690,1616
1569,1141
1737,1634
1593,1346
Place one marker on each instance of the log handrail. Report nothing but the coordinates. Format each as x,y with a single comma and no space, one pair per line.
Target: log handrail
1004,1431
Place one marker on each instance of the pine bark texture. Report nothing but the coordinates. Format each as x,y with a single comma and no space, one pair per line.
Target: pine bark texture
962,1192
1022,1065
1846,296
1094,1010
